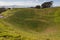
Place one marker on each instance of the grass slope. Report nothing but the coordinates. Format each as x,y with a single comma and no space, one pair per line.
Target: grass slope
30,24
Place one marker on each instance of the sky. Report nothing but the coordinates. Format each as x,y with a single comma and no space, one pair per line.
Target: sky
27,2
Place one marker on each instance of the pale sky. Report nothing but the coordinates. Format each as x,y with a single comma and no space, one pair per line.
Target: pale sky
27,2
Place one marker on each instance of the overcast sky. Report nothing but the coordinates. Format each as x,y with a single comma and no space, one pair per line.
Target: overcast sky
27,2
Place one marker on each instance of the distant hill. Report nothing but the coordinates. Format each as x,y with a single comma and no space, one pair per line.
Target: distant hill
13,6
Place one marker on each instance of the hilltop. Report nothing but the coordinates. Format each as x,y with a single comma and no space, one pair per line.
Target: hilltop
31,24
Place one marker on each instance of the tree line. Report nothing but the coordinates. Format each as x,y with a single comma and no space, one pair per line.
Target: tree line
44,5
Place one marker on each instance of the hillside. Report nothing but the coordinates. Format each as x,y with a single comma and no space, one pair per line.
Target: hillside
30,24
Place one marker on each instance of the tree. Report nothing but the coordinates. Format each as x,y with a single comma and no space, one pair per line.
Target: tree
38,6
2,10
47,4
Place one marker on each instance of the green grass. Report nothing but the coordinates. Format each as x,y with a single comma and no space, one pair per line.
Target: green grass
30,24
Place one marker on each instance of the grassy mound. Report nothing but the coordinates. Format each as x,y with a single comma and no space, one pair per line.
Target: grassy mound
34,24
33,18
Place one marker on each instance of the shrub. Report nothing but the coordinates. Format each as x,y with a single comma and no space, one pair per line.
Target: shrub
47,4
38,6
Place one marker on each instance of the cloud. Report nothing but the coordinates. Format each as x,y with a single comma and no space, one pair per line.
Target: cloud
28,3
36,0
57,4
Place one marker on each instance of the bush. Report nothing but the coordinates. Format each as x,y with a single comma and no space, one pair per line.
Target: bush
47,4
2,10
38,6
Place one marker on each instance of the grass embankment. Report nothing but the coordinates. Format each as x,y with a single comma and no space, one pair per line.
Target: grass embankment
31,24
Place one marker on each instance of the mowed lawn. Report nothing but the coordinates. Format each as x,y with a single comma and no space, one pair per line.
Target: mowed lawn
30,24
